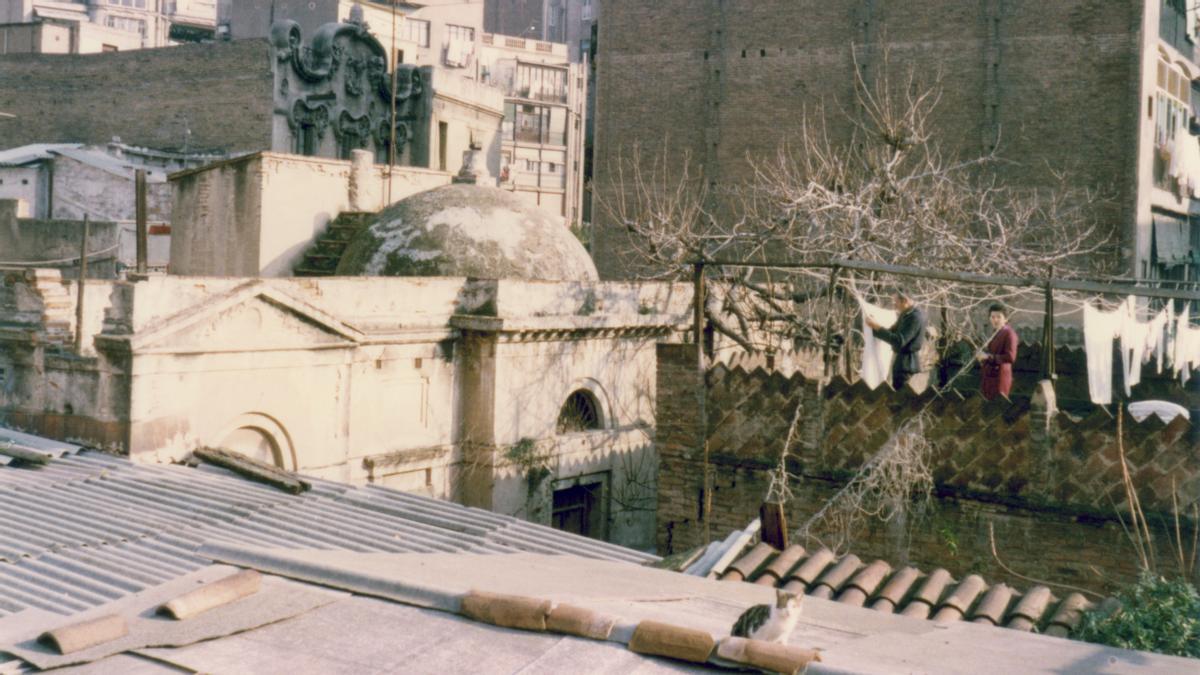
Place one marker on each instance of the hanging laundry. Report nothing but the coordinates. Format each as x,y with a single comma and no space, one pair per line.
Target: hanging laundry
1134,335
1099,330
877,354
1187,347
1156,340
1169,336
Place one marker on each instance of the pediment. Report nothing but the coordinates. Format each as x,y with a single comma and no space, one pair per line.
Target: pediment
247,320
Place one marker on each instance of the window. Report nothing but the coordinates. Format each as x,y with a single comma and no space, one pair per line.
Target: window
541,83
538,124
415,30
462,33
581,412
140,4
108,48
459,48
125,23
399,56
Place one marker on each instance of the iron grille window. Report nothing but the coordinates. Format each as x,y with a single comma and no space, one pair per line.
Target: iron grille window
581,412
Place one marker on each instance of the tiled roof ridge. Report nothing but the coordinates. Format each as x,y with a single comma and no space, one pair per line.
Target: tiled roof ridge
907,590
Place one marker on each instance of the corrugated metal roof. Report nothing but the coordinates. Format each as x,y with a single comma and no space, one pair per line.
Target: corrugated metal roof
88,528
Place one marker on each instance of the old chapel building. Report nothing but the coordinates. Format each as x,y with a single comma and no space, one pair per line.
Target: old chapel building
503,375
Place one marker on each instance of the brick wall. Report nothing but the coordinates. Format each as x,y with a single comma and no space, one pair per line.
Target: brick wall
1051,503
221,92
723,80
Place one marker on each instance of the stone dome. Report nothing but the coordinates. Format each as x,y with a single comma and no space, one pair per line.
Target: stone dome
467,230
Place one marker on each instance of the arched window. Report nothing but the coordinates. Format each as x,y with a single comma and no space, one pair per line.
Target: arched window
581,412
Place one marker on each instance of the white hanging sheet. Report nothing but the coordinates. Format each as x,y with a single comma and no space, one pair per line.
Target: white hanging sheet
1134,335
877,354
1099,330
1187,347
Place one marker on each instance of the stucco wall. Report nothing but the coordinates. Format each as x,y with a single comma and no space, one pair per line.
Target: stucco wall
24,184
256,215
81,189
216,219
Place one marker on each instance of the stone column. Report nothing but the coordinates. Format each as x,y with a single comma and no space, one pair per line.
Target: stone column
361,197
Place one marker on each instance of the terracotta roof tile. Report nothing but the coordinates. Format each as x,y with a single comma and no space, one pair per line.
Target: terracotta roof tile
781,565
810,569
907,591
795,586
1030,608
1067,615
955,607
931,589
992,607
896,589
743,568
831,582
864,583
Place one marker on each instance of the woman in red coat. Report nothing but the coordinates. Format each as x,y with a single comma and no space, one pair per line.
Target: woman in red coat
997,357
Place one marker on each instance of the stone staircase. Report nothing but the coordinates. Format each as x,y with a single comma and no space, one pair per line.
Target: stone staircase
322,258
58,307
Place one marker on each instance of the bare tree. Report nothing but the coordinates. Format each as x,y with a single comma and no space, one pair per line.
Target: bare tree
879,188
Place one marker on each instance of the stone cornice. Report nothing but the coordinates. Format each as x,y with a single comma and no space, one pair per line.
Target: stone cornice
550,328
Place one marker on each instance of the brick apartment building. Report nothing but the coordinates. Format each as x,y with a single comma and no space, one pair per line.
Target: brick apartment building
1104,91
318,94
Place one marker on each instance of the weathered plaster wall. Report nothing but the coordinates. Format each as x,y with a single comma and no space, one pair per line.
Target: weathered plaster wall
55,243
81,189
216,219
471,111
26,185
256,215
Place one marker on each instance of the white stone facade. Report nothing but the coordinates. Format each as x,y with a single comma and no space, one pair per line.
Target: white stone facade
447,386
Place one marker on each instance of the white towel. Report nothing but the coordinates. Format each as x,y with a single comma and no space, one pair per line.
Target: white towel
1099,331
877,354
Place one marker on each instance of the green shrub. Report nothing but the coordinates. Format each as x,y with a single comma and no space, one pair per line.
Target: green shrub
1156,615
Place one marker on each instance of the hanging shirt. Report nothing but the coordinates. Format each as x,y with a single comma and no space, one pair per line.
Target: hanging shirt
877,354
1099,331
1134,336
1156,340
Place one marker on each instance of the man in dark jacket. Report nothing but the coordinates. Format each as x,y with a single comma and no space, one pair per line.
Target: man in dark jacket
906,337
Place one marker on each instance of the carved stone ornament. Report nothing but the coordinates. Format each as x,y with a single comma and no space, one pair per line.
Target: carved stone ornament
355,75
306,115
348,124
320,60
